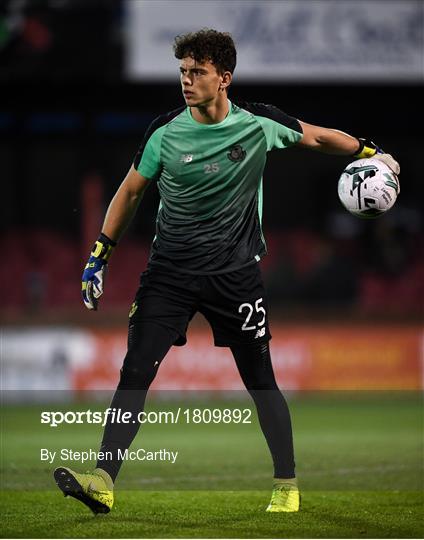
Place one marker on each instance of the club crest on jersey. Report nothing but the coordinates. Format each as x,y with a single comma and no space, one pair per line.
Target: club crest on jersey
186,158
236,153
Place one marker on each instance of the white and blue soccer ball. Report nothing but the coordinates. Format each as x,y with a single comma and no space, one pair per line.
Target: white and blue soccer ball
368,187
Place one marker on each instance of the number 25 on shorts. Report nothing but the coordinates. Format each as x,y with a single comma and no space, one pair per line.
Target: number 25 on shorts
250,309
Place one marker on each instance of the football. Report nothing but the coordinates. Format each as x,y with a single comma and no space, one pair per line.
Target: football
368,187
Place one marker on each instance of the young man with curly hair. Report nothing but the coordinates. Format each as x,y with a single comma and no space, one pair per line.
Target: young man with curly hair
207,158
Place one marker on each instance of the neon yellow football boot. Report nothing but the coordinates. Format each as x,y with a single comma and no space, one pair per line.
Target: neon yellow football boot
285,496
94,489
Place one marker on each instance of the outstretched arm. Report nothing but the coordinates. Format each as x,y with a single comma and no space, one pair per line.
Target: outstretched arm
328,141
333,141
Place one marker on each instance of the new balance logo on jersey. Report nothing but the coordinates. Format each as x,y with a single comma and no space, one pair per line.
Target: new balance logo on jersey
260,333
186,158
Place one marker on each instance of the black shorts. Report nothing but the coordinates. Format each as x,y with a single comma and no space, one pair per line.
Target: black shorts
234,304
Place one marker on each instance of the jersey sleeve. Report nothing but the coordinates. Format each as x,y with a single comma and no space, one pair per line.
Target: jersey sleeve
147,160
280,129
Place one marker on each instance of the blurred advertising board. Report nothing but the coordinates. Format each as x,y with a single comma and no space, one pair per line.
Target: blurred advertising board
305,357
284,40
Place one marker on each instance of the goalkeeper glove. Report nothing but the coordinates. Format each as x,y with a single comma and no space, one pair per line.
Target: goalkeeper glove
95,270
368,149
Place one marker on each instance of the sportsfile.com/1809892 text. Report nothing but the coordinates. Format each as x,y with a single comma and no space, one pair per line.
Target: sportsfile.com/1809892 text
117,416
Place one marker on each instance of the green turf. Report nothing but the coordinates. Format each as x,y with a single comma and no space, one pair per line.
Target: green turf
359,460
200,514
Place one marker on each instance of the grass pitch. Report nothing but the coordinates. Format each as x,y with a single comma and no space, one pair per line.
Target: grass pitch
359,462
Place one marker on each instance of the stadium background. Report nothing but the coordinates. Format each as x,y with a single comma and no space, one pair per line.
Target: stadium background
346,296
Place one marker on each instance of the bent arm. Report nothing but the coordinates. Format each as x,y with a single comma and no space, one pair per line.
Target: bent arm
124,204
328,141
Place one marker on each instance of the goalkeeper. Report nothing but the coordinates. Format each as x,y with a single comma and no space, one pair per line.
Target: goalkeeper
207,158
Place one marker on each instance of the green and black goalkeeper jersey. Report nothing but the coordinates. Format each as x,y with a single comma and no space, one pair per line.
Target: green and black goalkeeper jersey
210,183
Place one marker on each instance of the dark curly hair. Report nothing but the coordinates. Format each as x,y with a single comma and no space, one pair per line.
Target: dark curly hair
208,44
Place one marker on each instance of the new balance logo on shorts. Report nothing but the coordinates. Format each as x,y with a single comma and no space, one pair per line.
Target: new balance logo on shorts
260,333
